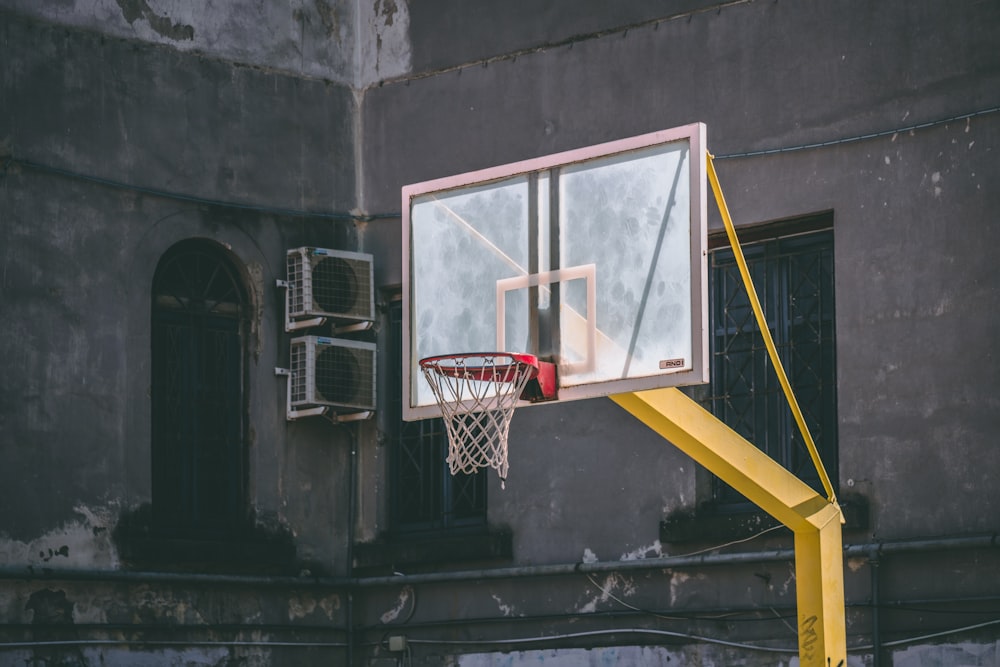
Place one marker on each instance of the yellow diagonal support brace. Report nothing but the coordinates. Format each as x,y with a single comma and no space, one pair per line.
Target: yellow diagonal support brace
765,331
816,522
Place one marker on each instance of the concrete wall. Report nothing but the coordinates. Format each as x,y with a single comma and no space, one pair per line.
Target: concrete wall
348,43
767,76
913,224
79,255
114,150
127,126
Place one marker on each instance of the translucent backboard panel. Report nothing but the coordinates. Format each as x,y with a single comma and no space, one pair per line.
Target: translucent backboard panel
593,259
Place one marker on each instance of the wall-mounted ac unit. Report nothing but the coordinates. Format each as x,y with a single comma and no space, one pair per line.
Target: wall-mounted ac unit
323,283
331,376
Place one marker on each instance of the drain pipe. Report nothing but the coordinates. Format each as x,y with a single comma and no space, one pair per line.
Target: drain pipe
873,564
854,550
352,485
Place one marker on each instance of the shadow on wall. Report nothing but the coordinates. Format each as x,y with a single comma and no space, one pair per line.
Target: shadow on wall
262,547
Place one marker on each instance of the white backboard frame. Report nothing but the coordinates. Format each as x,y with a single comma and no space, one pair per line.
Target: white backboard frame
692,369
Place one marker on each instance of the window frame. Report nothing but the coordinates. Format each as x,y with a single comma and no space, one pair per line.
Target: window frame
182,505
772,244
425,444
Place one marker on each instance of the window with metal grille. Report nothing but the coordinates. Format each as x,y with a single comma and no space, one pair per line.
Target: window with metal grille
793,276
198,414
424,495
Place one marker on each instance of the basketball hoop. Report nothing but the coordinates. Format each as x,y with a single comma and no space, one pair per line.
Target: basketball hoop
477,393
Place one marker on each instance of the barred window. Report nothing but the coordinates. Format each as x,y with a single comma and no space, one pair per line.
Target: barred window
424,496
198,356
793,276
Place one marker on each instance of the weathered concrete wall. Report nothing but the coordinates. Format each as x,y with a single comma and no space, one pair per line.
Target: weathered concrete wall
112,151
151,116
120,135
445,34
235,623
912,213
346,42
914,225
84,119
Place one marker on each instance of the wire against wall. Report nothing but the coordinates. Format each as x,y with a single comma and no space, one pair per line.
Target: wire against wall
860,137
368,217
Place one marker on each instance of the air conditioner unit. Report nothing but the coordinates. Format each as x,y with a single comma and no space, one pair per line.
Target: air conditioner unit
334,284
331,375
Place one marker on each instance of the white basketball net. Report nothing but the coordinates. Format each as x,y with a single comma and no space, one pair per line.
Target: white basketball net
477,394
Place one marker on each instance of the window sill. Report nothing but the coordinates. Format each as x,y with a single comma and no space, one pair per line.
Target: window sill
231,556
430,551
254,549
709,524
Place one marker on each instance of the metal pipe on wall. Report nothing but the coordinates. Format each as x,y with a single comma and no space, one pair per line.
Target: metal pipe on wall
31,573
872,551
873,564
351,512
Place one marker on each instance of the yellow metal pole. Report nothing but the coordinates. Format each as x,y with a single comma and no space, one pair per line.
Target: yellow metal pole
765,331
816,523
819,592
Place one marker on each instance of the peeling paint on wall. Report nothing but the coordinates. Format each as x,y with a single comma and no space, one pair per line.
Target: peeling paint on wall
330,17
255,285
83,544
314,38
402,602
385,51
786,586
614,586
505,609
133,10
301,606
654,550
682,585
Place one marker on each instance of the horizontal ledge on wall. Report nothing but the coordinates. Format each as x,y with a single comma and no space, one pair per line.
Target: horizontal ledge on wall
869,550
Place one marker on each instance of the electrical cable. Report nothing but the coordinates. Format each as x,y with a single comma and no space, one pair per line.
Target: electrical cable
654,614
860,137
918,609
729,544
933,635
368,217
689,636
484,642
649,612
598,633
684,635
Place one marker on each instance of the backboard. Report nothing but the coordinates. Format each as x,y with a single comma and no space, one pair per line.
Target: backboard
593,259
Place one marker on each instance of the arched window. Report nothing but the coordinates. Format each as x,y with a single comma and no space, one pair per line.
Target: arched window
199,324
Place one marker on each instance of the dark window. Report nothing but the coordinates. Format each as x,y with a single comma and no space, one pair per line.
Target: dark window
793,277
198,454
424,494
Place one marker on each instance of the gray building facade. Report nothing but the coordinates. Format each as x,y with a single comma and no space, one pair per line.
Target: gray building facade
158,159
